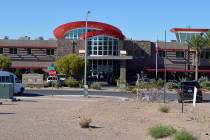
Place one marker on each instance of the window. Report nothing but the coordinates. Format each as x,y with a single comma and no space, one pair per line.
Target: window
29,51
202,55
103,45
162,54
207,55
180,54
50,52
13,50
1,51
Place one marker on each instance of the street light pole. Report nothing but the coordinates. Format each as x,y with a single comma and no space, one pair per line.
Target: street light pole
85,73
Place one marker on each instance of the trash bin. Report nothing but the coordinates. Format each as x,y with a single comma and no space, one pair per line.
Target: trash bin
6,91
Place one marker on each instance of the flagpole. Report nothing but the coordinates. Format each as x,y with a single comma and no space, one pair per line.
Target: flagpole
156,61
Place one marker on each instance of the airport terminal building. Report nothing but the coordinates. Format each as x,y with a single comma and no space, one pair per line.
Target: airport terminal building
108,51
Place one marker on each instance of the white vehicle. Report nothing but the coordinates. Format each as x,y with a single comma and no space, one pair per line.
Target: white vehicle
8,77
53,79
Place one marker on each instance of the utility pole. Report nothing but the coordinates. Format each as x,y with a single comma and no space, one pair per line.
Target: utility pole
85,73
164,95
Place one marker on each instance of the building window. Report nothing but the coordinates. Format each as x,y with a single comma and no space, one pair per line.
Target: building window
102,45
202,55
50,52
29,51
180,54
1,51
13,50
162,54
207,56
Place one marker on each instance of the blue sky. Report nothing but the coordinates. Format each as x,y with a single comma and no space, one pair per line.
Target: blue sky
138,19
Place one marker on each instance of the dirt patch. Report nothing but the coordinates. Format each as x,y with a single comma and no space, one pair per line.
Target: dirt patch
111,119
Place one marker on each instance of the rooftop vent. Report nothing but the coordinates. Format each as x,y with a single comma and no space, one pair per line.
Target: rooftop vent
40,38
173,41
6,37
25,38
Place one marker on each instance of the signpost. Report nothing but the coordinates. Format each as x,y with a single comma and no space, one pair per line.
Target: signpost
194,96
52,72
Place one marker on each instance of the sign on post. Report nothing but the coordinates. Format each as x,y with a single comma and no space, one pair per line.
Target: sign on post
52,73
194,96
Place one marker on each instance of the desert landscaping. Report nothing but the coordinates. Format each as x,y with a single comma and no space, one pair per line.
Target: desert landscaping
56,118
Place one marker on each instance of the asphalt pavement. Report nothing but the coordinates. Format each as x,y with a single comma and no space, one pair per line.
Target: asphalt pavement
169,96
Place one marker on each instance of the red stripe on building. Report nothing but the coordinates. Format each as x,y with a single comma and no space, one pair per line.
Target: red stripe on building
188,30
176,70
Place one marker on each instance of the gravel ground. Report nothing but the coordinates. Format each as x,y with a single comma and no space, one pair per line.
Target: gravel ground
57,119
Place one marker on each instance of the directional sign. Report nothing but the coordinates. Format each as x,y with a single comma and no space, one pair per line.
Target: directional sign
51,67
52,73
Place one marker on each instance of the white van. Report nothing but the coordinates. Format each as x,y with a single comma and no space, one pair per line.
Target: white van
8,77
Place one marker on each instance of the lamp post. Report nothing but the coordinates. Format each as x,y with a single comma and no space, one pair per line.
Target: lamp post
85,73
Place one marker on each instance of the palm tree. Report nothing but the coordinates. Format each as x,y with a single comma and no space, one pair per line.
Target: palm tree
197,43
207,38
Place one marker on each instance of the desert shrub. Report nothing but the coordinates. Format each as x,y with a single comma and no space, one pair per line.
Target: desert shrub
203,79
58,85
50,84
95,85
184,135
205,84
71,82
85,122
171,85
161,131
132,89
183,79
164,109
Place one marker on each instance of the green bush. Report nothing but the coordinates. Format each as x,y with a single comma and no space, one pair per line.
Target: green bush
161,131
171,85
71,82
184,135
164,109
132,89
205,84
58,85
202,79
95,85
50,84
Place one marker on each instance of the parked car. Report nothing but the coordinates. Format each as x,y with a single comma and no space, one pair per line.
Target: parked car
52,79
186,91
8,77
61,79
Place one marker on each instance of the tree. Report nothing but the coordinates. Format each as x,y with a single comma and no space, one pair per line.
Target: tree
197,43
71,65
5,62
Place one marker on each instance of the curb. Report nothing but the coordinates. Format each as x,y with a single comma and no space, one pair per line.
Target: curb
72,89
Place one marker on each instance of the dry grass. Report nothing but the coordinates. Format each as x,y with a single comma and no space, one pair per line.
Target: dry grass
84,122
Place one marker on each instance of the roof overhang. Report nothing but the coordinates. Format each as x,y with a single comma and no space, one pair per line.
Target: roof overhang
189,30
176,70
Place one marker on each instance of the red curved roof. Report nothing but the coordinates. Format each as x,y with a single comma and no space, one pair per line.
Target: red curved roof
103,29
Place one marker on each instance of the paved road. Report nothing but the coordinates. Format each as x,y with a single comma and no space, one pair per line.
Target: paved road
75,92
36,92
